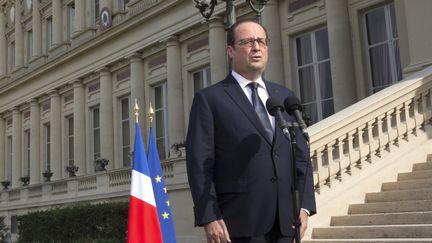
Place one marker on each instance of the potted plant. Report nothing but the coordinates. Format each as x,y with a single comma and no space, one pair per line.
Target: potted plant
5,184
179,148
25,180
47,175
100,164
72,169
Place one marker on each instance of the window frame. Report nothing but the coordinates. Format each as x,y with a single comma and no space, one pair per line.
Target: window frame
70,140
166,153
26,148
205,82
95,154
315,65
122,122
389,42
46,154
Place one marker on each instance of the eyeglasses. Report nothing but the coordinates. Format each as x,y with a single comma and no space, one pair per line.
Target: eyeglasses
250,42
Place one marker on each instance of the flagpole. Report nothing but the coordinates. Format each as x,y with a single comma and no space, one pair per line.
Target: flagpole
151,115
136,108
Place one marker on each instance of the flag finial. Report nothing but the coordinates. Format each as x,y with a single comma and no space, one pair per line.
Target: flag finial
136,110
151,114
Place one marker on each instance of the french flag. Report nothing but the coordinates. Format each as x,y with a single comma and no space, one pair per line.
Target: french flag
143,221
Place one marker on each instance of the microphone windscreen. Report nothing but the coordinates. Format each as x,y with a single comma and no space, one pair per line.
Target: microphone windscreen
292,103
273,104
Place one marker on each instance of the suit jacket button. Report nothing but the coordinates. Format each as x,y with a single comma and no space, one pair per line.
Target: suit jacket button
273,179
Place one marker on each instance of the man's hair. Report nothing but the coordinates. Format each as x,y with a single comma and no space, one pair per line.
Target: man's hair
231,31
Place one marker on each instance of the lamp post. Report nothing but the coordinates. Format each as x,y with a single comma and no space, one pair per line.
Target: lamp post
206,8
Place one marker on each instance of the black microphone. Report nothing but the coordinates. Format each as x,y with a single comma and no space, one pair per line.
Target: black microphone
275,108
293,107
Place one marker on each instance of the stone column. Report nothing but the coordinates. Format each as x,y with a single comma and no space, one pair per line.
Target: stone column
37,29
2,149
137,90
218,56
271,21
19,39
16,147
55,124
79,129
106,117
3,43
57,23
35,162
341,54
80,16
175,117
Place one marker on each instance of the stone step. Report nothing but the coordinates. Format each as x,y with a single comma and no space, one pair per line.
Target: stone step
403,195
387,240
391,207
382,219
375,231
415,175
408,184
422,166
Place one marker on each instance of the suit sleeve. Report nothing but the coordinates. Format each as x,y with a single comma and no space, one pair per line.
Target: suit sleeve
200,161
305,174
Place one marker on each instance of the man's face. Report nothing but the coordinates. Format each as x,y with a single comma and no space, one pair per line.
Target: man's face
249,57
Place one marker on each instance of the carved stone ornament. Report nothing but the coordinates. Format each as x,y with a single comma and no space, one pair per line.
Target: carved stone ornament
12,14
28,4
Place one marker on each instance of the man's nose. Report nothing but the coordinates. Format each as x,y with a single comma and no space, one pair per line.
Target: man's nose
255,45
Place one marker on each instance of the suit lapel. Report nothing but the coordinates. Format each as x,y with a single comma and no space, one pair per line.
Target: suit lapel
234,91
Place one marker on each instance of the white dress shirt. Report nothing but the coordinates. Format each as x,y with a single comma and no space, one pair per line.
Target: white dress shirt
262,92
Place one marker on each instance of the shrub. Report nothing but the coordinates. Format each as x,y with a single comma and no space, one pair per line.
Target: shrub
103,223
3,230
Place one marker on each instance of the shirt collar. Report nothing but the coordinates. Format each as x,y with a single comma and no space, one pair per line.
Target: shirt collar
243,82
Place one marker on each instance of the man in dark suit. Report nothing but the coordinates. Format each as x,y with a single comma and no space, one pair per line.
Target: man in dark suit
238,162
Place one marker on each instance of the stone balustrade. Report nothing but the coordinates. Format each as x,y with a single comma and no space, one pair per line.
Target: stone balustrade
362,133
99,186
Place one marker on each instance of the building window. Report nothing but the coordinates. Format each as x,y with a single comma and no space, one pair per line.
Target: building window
314,74
96,10
49,34
9,158
96,133
125,130
71,20
27,152
201,79
47,146
161,120
70,140
382,46
29,45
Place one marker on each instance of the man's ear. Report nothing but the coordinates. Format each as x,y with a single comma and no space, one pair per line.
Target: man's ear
230,51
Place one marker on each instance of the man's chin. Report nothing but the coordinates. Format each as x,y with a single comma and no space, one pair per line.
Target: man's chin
258,68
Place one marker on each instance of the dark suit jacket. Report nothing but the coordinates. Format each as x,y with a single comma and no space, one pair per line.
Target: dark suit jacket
235,173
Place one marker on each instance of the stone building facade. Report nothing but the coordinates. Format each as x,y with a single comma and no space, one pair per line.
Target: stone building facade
69,77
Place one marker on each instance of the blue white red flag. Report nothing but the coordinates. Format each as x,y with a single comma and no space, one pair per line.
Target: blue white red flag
160,191
143,222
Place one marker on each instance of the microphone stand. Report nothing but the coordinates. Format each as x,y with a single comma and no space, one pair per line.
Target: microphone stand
294,184
288,129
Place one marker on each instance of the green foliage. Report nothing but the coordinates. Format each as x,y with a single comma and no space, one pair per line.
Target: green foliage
3,229
81,223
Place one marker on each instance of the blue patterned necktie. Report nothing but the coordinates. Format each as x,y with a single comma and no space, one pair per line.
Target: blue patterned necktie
261,110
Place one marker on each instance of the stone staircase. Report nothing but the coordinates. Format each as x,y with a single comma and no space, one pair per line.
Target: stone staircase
401,212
